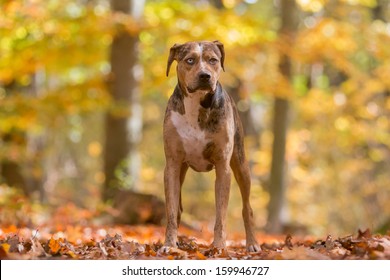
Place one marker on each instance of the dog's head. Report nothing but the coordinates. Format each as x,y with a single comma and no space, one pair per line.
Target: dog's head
199,64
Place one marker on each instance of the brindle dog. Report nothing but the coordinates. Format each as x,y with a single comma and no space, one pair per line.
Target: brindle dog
202,130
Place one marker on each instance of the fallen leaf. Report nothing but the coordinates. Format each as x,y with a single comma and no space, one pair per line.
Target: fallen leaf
71,254
5,247
54,246
3,252
132,247
13,242
186,244
329,244
288,241
346,242
37,249
340,252
364,234
178,254
385,243
200,256
360,248
104,251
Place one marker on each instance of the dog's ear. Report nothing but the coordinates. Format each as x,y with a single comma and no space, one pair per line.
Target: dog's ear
222,50
172,56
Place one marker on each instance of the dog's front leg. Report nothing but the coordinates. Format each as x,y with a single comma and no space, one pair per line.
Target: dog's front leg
222,190
172,198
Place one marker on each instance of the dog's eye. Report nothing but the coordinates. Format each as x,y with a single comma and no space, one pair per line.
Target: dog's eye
190,61
213,61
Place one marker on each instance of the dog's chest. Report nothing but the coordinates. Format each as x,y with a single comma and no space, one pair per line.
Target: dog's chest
193,138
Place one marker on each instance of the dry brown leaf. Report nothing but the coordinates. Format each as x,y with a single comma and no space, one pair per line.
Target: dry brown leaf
178,254
385,243
132,247
364,234
14,242
103,249
288,241
329,244
340,252
37,249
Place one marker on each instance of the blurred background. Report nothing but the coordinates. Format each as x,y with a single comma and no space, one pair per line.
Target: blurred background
83,94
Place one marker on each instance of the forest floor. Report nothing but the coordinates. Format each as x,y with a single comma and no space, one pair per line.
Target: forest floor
144,242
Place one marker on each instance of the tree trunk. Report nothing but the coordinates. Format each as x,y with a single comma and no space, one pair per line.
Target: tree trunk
123,131
381,10
276,206
10,169
278,168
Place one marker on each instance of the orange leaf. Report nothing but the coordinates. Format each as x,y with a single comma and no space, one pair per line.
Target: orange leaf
3,253
200,256
54,246
6,247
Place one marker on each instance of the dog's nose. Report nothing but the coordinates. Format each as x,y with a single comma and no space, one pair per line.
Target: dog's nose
204,77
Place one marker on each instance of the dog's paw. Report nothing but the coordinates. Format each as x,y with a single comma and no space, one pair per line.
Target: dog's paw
165,249
253,248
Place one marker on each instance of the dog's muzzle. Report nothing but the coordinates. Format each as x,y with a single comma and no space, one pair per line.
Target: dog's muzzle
204,81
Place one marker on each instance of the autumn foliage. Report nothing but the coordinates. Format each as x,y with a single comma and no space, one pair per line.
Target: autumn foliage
144,242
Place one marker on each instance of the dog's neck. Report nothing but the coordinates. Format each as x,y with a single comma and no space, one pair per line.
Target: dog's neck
193,102
183,103
202,98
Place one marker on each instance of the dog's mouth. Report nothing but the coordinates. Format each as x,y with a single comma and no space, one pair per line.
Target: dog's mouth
201,86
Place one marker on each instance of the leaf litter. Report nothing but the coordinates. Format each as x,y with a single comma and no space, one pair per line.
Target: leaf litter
144,242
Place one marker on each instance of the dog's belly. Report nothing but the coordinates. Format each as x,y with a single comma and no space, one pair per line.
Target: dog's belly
194,141
194,157
198,163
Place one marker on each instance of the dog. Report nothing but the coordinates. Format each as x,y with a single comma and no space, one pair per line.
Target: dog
202,130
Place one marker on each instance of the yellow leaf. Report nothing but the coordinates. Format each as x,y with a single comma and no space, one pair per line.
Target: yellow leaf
71,254
6,247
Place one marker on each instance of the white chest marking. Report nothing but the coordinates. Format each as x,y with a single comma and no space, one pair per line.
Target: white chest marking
194,139
188,130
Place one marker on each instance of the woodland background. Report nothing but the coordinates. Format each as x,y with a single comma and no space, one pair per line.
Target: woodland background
83,93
